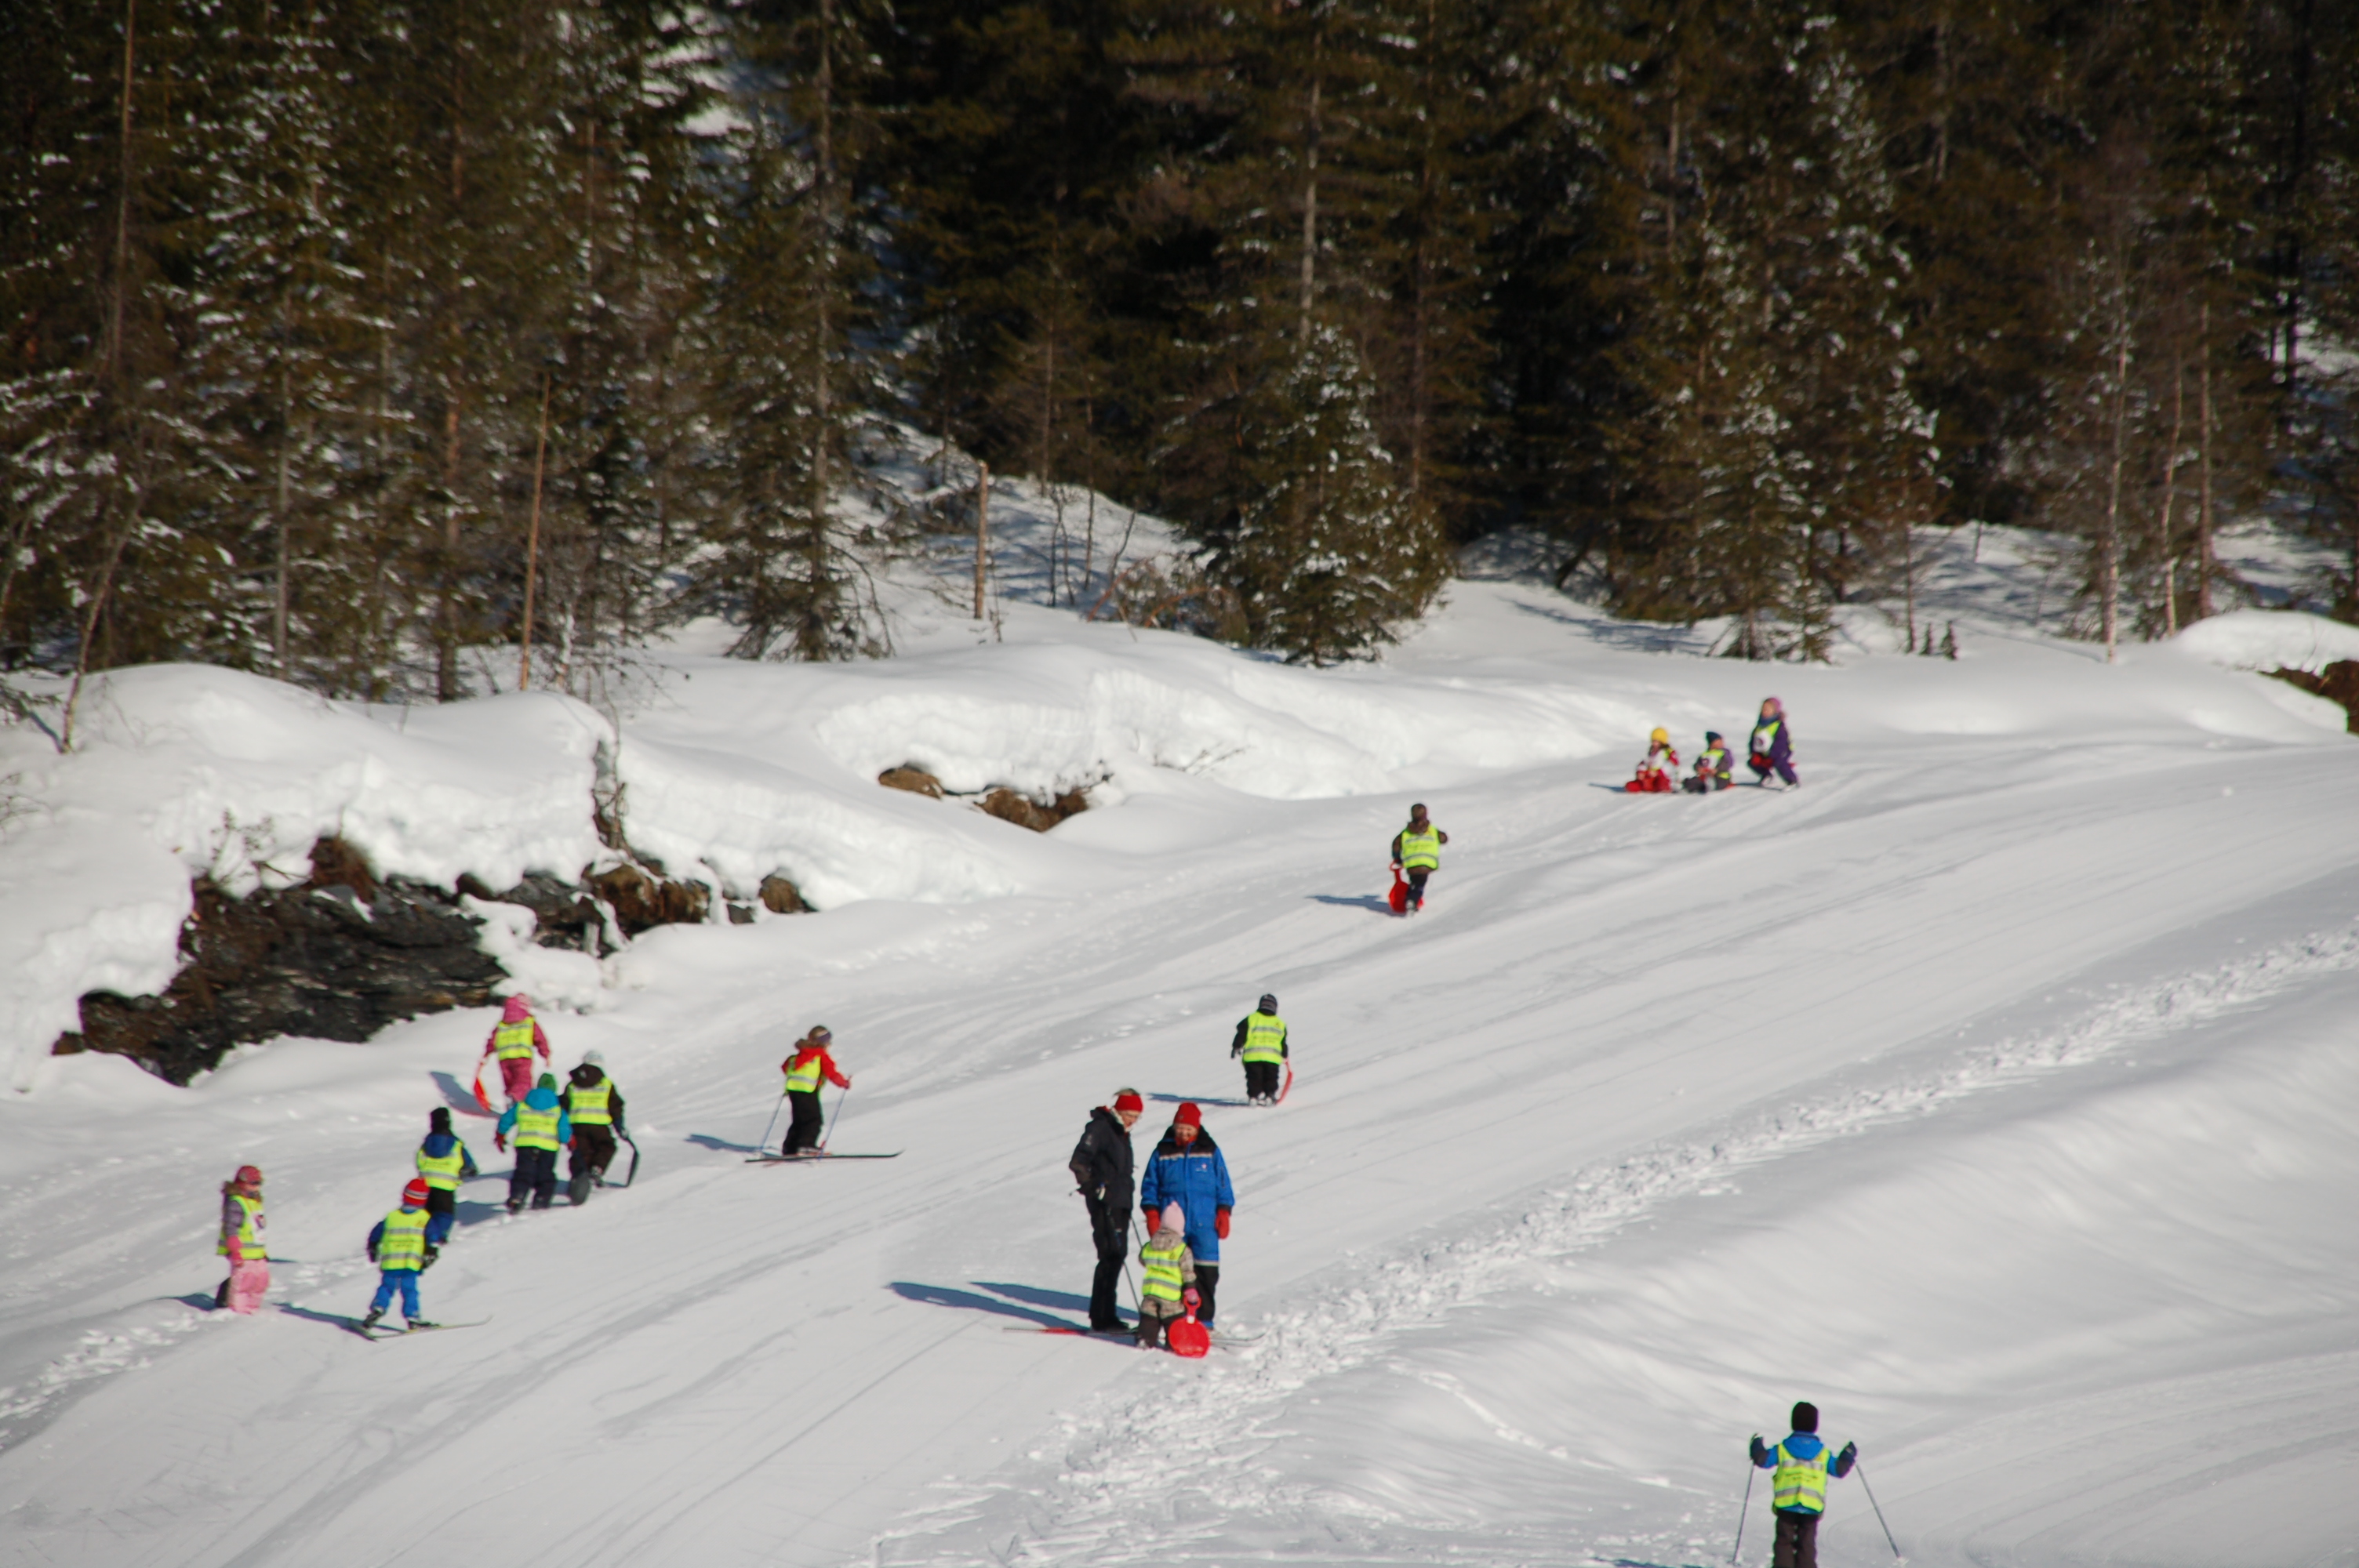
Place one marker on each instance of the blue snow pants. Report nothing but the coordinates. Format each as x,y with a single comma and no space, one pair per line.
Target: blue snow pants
391,1280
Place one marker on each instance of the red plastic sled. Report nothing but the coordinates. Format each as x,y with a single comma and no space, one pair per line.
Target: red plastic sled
1399,897
1188,1337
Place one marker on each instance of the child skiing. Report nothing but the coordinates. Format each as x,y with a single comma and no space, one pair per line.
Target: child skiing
514,1039
398,1247
542,1129
242,1243
595,1107
1417,849
804,1070
442,1164
1712,768
1261,1042
1658,770
1166,1270
1798,1493
1772,746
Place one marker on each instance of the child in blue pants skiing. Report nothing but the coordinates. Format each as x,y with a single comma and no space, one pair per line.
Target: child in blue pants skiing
398,1247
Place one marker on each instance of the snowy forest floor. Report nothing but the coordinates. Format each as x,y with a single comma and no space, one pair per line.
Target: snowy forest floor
1991,1090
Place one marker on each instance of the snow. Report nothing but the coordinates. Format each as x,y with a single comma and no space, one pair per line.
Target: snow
1990,1090
2270,640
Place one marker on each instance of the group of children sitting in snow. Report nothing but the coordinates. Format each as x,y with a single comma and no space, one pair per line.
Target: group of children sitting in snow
1771,752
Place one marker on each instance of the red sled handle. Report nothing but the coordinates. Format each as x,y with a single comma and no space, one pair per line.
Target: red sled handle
481,1097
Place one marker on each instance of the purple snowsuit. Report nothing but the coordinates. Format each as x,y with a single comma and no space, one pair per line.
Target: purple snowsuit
1772,747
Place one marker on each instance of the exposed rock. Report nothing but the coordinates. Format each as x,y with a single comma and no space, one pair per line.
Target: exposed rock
338,958
2339,682
564,915
642,901
1010,806
780,896
917,781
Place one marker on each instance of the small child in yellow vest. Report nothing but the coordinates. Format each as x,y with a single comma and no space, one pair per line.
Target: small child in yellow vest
1167,1270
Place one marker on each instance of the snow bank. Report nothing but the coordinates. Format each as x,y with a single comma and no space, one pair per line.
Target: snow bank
2270,640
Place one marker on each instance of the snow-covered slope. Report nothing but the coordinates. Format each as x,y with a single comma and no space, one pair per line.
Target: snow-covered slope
1989,1089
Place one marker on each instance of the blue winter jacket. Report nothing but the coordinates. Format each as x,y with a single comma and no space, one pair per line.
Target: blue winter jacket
1195,1177
438,1144
540,1099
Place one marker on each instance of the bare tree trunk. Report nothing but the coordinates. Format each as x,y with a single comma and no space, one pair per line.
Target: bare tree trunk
286,438
532,540
447,687
2109,563
2204,506
1311,183
812,635
982,530
2171,496
90,620
117,297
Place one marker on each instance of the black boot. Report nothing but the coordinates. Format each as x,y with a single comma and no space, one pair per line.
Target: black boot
220,1297
578,1189
370,1321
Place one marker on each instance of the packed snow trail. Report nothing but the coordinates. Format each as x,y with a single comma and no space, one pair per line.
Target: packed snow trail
1647,1074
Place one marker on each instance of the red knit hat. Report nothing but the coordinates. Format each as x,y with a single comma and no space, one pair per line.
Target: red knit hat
1188,1115
415,1193
1128,1100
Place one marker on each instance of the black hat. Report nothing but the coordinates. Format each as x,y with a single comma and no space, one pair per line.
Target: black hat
1712,734
439,1122
1806,1416
1268,1002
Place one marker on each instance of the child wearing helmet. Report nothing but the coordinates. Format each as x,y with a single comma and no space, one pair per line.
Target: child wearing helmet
242,1244
1712,766
397,1247
1658,770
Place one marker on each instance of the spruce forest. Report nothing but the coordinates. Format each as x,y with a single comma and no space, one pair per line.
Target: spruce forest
325,317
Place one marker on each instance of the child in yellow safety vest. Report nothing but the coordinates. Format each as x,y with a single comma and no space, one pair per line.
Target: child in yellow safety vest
804,1069
1168,1277
1417,850
541,1127
1658,771
242,1244
514,1039
1798,1492
397,1247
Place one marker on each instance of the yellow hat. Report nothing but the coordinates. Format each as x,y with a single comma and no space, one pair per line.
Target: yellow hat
1661,737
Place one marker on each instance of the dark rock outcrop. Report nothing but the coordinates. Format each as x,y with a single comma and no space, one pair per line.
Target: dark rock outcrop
780,896
339,957
1025,812
917,781
643,899
564,915
2339,682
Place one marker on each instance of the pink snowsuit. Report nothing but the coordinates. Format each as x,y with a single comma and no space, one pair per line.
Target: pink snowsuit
249,1278
515,1072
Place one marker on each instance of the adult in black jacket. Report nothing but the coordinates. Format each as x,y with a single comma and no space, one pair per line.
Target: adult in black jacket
1102,1169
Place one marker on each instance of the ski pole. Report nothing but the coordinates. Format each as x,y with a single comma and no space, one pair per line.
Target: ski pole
828,1130
1879,1511
1742,1509
764,1143
1136,1305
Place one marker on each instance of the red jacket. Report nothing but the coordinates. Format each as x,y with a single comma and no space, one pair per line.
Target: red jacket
826,1065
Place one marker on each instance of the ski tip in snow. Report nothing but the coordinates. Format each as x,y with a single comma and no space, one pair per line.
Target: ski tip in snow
814,1159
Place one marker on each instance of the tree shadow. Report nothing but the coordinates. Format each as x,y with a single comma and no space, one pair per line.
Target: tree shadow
456,1095
1374,903
1201,1099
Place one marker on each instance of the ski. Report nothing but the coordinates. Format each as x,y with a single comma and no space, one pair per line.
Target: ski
824,1155
373,1332
1074,1329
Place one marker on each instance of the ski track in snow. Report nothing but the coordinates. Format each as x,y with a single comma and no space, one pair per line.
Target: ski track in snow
1121,1474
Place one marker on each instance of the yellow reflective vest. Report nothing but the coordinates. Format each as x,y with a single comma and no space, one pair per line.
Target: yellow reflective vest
441,1171
1799,1485
1265,1038
403,1245
1160,1267
510,1041
802,1078
249,1230
535,1128
1421,851
590,1103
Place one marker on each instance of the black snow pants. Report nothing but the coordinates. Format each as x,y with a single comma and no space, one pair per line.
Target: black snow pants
593,1150
1208,1278
806,1122
1797,1544
1109,1235
1261,1078
1416,886
535,1175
